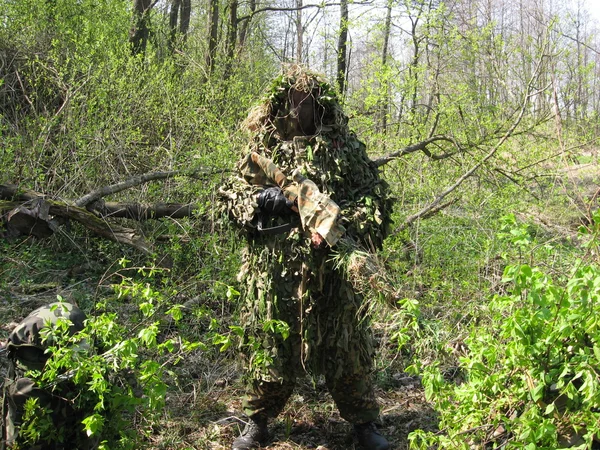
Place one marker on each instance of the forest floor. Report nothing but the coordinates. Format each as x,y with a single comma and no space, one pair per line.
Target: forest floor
309,421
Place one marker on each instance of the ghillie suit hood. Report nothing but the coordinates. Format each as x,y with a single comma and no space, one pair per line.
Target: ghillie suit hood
264,120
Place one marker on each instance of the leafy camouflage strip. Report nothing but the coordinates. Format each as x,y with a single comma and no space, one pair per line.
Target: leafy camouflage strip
284,280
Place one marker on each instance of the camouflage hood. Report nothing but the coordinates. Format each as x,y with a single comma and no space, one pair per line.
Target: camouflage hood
27,333
262,121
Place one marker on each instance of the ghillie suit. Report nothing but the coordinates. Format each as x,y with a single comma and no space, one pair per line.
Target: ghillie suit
301,313
53,415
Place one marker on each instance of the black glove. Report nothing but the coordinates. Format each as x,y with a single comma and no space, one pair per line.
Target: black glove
271,201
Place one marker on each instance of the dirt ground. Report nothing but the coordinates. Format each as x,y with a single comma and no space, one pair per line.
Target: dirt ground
309,421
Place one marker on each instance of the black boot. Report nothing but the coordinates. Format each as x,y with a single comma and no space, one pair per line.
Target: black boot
370,438
255,433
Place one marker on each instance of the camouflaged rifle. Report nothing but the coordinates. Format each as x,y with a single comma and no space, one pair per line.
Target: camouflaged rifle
318,213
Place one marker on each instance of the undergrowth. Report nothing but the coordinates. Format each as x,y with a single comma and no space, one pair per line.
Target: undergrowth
529,377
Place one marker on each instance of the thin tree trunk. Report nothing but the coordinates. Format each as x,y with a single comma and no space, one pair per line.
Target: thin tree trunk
184,21
173,19
413,68
299,31
233,25
231,35
213,31
342,48
138,35
246,24
384,60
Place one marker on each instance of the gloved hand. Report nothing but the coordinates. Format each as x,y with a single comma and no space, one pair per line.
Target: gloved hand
271,201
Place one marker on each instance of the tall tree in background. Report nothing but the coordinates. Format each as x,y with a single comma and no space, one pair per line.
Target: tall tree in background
385,102
213,35
179,21
300,32
232,30
245,21
140,30
342,48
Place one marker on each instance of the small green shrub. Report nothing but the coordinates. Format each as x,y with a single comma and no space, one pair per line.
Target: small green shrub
532,375
115,371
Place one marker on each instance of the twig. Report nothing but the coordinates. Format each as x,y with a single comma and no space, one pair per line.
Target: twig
515,181
426,215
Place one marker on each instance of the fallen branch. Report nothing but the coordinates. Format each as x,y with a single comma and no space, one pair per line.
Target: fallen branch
13,192
140,211
141,179
38,217
99,226
423,215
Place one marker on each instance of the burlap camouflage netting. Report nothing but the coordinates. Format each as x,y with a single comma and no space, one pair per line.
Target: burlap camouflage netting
285,280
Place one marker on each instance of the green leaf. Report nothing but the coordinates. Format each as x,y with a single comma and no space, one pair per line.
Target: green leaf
148,335
93,424
237,330
175,312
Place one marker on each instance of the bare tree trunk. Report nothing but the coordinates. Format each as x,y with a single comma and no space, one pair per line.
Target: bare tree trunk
213,31
413,68
383,110
184,21
300,32
173,20
179,22
342,48
246,24
138,35
231,35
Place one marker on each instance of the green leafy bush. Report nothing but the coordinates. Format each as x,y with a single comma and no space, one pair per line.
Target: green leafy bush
532,376
115,372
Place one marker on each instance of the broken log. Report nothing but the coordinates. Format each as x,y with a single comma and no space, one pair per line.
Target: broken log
31,213
142,211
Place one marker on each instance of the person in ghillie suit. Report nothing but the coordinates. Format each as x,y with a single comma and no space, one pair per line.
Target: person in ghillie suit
57,424
305,189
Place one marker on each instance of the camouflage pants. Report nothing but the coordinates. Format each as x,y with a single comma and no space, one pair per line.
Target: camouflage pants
329,335
353,397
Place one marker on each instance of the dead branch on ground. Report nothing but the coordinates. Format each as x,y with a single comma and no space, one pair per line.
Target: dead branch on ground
141,179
